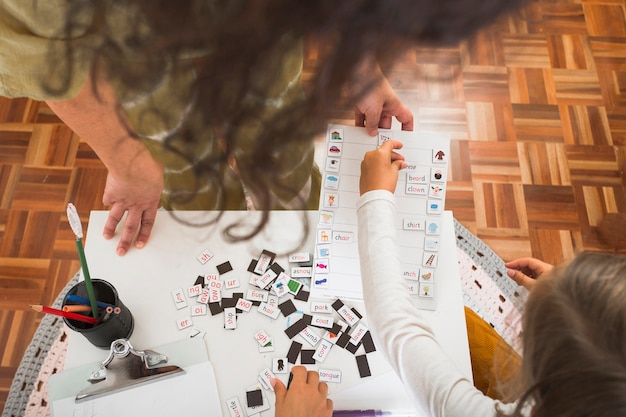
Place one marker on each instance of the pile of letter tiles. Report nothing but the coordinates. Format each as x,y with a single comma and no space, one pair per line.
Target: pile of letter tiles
271,292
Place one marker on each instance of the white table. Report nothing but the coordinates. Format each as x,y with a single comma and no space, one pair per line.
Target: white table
145,279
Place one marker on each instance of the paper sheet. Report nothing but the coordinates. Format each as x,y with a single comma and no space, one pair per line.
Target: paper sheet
193,393
420,197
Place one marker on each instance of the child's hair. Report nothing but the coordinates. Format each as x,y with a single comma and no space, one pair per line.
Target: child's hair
575,340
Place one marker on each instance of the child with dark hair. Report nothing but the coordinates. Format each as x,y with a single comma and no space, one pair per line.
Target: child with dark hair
574,325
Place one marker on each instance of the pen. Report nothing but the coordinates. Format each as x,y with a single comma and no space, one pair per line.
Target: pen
81,300
77,228
66,314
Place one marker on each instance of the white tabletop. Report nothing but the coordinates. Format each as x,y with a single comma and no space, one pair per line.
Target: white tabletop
145,279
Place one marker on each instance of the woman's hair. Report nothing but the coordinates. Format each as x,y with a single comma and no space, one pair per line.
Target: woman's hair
242,36
575,340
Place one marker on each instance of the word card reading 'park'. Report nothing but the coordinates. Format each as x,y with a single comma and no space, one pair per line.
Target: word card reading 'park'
420,195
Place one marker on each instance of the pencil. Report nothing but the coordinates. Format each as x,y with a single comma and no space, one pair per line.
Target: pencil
77,228
81,300
65,314
77,308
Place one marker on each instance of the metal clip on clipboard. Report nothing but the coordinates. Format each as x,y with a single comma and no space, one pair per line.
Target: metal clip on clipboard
125,367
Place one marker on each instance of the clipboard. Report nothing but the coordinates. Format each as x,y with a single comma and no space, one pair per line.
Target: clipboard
193,392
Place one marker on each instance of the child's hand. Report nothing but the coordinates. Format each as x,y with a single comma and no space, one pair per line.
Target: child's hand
379,169
525,271
306,396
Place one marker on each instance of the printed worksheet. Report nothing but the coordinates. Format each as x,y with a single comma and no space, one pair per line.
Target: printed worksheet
420,196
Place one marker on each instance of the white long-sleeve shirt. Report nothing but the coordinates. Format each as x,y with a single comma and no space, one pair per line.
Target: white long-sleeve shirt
434,384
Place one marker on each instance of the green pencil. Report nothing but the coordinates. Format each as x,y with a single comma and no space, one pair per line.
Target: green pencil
77,228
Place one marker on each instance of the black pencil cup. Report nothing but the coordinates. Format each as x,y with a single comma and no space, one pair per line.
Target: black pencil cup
116,324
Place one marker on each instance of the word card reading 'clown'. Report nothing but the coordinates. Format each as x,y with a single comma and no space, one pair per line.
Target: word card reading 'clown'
420,196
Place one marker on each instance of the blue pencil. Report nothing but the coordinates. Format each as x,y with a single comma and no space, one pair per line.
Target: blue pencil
81,300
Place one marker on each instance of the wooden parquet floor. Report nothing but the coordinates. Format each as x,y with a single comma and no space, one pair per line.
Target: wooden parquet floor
535,106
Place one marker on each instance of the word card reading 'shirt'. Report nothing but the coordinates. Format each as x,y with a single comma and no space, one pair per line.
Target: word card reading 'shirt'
420,196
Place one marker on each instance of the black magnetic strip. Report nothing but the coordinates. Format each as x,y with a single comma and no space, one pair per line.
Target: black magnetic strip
254,398
199,280
277,268
306,357
294,351
337,304
368,343
343,340
287,307
363,365
302,295
352,348
252,265
229,302
296,328
215,308
224,268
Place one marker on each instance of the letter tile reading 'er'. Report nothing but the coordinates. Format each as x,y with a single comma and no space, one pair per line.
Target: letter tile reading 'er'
184,322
